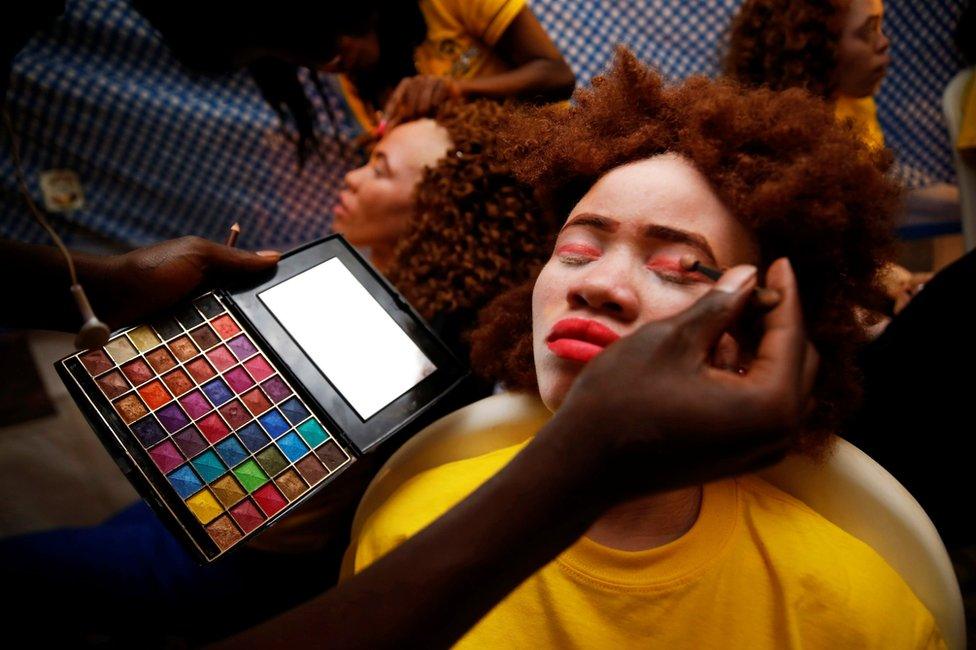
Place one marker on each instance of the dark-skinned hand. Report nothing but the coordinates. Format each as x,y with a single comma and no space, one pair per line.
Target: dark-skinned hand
656,414
417,97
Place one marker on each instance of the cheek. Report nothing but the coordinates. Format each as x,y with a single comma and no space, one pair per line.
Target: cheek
660,300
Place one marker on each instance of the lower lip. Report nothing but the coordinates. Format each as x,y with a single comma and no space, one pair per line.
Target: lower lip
574,349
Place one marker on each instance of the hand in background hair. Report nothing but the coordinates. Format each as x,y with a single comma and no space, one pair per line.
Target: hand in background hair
657,415
419,96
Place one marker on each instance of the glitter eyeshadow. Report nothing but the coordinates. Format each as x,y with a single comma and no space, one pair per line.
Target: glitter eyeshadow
161,360
293,446
184,481
250,475
148,431
331,455
256,402
273,423
130,408
209,306
166,456
271,460
178,382
209,466
204,337
200,370
312,432
238,379
294,410
189,317
247,515
113,384
242,347
96,362
224,533
253,436
225,326
195,405
217,391
172,417
183,348
312,469
204,506
138,372
259,368
235,414
291,485
144,338
276,389
154,394
227,490
120,349
190,441
213,428
167,328
221,358
231,451
270,499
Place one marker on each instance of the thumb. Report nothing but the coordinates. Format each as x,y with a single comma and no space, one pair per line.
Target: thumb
715,312
223,260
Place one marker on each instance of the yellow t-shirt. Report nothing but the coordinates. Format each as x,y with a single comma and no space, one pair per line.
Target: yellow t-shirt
758,569
864,114
967,130
461,36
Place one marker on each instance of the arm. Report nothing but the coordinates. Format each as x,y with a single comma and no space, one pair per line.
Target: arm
709,424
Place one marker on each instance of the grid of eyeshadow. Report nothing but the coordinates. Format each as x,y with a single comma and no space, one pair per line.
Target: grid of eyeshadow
222,425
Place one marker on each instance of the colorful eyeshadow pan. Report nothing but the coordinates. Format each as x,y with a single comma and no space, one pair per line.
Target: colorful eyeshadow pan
291,485
276,389
96,362
208,466
270,499
228,491
138,372
166,456
242,347
331,455
204,337
144,338
238,379
225,326
253,436
231,451
312,469
293,446
120,349
189,317
172,417
195,405
148,431
259,368
247,515
190,441
312,432
256,401
224,533
204,506
221,358
130,408
273,423
217,391
178,382
209,306
213,428
200,370
183,348
250,475
154,394
271,460
235,414
184,481
167,328
294,410
113,384
161,360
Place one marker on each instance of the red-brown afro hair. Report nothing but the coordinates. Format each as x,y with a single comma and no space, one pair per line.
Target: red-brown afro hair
475,231
786,44
779,161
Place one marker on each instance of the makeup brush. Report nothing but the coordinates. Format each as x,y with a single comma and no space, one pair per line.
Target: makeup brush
762,297
235,230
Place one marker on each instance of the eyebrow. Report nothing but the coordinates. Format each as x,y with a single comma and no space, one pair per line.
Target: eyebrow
653,231
382,159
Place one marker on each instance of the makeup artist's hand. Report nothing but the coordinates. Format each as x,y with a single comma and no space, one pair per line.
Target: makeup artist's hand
655,414
151,279
417,97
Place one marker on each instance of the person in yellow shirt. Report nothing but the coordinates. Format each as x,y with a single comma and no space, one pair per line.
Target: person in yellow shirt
836,49
420,54
726,176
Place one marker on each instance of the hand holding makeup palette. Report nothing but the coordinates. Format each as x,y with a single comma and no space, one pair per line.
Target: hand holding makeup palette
234,409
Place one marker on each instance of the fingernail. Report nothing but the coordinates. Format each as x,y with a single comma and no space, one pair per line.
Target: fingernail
736,278
274,254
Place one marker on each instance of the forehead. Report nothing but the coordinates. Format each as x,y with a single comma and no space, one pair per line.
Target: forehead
860,10
668,191
415,144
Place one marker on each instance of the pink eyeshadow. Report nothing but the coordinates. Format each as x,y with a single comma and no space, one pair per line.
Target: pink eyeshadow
166,456
259,368
221,358
195,404
238,379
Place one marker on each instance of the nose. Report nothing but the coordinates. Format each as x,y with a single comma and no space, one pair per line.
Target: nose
351,179
883,43
607,289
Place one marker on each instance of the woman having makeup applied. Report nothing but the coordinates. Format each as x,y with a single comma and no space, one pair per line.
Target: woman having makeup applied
738,179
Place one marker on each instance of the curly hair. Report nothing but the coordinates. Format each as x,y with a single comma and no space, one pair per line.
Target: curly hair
799,181
786,44
475,231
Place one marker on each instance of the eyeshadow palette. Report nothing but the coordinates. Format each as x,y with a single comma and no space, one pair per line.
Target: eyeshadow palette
233,409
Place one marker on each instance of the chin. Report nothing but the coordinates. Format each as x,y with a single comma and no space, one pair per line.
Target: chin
554,385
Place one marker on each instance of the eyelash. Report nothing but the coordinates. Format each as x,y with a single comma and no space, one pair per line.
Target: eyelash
574,258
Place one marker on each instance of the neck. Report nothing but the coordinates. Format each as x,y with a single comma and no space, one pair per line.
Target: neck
381,256
648,522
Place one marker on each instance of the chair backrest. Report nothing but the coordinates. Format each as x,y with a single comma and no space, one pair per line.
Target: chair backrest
849,489
952,105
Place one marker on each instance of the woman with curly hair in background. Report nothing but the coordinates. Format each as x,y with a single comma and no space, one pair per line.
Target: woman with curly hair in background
443,217
836,49
644,176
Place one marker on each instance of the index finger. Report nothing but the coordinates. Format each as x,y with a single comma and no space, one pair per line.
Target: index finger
779,359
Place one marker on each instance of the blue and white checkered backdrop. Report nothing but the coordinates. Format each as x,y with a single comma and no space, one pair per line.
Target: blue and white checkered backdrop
162,152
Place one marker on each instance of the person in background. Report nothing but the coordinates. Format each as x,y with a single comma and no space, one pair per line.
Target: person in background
835,49
448,49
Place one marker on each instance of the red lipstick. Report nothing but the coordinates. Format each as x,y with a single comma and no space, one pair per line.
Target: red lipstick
579,339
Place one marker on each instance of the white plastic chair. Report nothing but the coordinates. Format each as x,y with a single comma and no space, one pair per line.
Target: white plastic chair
952,101
849,489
